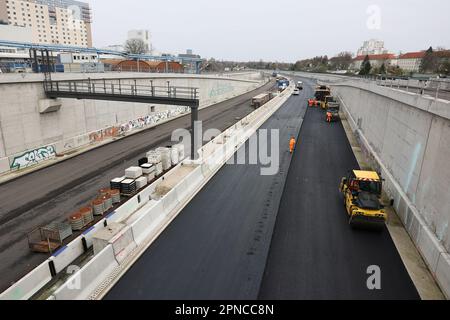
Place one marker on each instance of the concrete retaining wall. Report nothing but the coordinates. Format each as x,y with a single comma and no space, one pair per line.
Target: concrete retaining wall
407,138
28,137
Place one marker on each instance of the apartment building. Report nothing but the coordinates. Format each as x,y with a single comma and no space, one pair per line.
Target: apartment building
64,22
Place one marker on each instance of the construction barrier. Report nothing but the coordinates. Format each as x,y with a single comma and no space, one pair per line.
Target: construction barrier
26,287
67,254
443,273
123,244
85,281
145,226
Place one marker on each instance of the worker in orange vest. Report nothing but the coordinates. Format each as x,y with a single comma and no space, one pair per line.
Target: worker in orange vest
316,103
329,117
292,144
310,102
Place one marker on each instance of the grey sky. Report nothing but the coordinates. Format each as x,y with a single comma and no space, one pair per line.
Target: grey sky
273,30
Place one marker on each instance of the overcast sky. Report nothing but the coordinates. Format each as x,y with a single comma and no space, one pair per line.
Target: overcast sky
274,30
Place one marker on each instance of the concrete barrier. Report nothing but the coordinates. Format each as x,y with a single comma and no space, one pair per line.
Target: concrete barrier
86,280
145,226
67,254
443,274
29,285
123,244
89,233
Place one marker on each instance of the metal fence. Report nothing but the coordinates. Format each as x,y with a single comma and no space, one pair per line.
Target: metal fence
120,88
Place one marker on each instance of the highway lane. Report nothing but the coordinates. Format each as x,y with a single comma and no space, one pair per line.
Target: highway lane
314,253
52,193
217,247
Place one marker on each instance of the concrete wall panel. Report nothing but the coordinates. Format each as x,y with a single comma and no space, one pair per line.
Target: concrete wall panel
24,128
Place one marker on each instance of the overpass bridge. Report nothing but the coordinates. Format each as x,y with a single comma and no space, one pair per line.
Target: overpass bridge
242,235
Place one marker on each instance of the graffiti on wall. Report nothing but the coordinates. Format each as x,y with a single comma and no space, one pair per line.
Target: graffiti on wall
152,119
38,155
220,89
102,134
33,157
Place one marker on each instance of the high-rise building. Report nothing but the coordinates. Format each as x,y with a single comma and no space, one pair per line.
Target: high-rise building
372,47
65,22
143,35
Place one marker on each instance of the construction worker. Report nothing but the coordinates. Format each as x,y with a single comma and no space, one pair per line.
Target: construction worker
292,144
310,103
316,103
329,117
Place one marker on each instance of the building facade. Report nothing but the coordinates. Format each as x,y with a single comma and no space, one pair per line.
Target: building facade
372,47
376,60
410,61
64,22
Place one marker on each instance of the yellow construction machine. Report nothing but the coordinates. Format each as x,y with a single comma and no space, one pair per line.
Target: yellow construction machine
362,198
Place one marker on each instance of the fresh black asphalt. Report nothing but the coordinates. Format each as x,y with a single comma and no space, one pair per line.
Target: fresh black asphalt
237,240
217,247
314,253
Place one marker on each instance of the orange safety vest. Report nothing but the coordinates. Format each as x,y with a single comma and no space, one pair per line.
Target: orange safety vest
292,144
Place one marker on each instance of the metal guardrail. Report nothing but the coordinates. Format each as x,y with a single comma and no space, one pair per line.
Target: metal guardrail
122,91
437,89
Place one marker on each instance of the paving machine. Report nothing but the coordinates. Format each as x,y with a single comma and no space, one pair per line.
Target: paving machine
362,198
321,93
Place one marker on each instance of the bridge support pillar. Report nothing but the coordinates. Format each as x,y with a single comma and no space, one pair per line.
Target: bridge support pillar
194,138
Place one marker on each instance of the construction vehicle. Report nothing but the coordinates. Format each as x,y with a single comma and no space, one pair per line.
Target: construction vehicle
321,93
362,199
333,109
326,101
261,99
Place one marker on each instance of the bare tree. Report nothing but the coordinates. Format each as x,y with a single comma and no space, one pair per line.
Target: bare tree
135,46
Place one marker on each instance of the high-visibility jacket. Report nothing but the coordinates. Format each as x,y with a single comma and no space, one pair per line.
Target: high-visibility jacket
292,144
329,116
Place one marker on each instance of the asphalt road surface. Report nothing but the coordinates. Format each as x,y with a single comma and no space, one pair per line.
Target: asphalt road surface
53,193
314,253
217,247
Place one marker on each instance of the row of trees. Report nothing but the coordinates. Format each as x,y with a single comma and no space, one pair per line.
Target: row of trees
342,61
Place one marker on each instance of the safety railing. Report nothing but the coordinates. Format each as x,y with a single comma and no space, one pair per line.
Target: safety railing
119,88
438,89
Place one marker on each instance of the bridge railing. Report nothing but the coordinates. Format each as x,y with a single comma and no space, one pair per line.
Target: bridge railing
119,88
